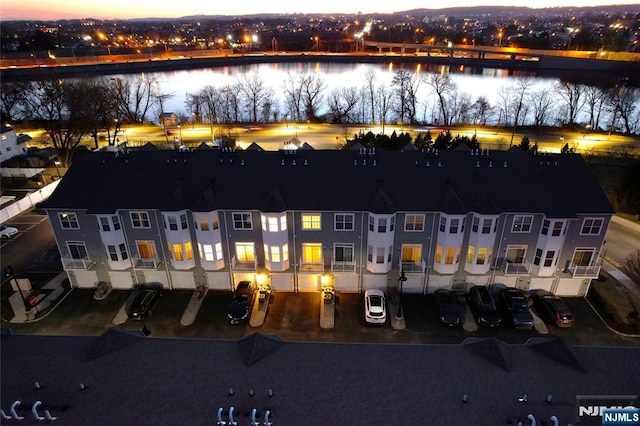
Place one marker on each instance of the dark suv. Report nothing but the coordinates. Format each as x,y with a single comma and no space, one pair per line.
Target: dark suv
552,309
483,306
517,306
142,300
241,304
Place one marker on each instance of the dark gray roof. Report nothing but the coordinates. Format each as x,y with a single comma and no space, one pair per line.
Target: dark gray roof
160,381
560,186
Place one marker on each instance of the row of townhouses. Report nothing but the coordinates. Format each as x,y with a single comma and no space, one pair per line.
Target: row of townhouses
352,219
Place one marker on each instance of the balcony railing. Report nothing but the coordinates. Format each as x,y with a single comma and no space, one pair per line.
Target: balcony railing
145,263
592,271
306,266
413,267
342,266
244,265
69,262
511,268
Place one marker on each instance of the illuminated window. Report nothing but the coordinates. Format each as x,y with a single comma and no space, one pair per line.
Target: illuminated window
146,249
411,253
311,221
583,256
285,253
482,255
273,224
188,250
219,251
470,253
414,222
438,254
515,254
215,224
177,252
448,260
69,220
245,252
275,254
283,222
208,252
311,253
204,223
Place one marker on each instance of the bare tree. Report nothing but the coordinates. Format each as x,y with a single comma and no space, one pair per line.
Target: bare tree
541,102
13,98
518,104
504,102
383,102
632,267
343,103
595,99
370,90
63,108
312,87
230,103
255,94
134,99
292,86
406,86
445,90
482,110
572,94
623,101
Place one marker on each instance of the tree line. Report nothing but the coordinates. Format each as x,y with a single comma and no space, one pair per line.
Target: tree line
72,109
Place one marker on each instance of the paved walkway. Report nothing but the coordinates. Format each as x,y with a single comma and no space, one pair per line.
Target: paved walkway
327,309
260,306
189,315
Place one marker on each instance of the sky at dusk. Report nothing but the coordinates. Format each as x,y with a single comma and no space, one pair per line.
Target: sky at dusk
125,9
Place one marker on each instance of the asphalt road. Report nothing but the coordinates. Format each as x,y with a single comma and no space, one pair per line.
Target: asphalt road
621,242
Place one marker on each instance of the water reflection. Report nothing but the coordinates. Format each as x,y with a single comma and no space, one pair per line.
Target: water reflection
471,81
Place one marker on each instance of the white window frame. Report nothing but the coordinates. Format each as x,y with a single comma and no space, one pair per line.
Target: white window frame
411,220
516,247
308,221
142,218
244,219
68,220
520,225
340,219
590,228
77,244
343,246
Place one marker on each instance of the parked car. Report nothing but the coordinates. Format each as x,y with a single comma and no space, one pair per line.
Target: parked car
8,231
552,309
375,308
447,307
143,300
517,306
240,308
483,306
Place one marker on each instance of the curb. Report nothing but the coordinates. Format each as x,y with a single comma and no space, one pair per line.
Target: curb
607,325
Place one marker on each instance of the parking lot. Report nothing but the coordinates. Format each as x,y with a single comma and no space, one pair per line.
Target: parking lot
295,317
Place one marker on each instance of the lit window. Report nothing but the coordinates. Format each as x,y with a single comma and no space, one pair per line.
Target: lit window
204,223
177,251
521,223
482,255
146,249
515,254
69,220
591,226
208,252
285,253
245,252
438,254
414,222
263,219
448,260
275,254
188,250
242,221
273,224
311,253
344,222
219,251
583,257
283,222
411,253
266,252
215,224
470,253
140,220
311,222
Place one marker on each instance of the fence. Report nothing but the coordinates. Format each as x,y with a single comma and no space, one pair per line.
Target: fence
27,202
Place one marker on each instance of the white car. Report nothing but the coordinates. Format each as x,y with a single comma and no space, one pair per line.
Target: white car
375,308
8,231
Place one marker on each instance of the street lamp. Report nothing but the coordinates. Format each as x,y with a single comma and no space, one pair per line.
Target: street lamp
57,163
8,273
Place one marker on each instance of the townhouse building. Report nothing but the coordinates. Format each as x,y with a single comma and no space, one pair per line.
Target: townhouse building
299,220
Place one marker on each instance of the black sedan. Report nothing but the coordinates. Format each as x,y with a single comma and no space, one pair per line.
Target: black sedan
517,306
142,300
483,306
447,307
241,303
552,309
